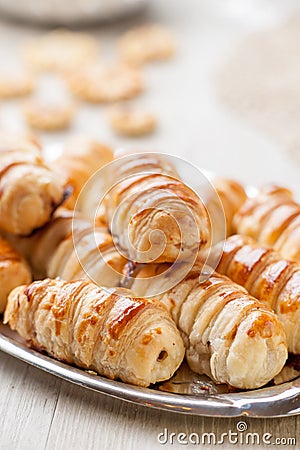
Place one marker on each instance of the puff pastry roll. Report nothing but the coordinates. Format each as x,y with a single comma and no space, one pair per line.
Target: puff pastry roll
153,215
72,248
268,277
272,218
87,254
80,159
14,271
229,335
117,336
30,191
232,196
39,247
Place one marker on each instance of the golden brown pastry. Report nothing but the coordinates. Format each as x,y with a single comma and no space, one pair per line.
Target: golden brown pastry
90,254
229,335
224,329
80,159
12,140
60,50
232,196
47,115
272,218
146,43
30,191
155,216
72,250
119,337
100,83
128,120
268,277
39,247
15,85
14,271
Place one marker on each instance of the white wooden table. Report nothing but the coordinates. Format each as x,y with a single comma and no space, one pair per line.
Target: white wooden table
39,411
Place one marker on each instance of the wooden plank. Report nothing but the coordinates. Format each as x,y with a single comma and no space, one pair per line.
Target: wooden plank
28,399
85,419
40,411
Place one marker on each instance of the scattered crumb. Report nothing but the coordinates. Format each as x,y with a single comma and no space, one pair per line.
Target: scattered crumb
91,372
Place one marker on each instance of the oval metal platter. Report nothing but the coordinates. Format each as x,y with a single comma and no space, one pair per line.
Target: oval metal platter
186,393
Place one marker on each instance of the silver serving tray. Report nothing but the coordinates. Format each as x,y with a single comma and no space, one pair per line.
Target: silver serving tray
199,395
186,392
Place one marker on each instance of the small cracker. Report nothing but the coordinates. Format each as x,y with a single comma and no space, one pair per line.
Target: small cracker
129,121
60,50
103,84
47,116
15,85
146,43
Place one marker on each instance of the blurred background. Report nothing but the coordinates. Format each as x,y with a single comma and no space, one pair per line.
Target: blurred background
228,100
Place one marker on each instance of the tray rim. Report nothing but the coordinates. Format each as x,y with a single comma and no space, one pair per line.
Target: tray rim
247,403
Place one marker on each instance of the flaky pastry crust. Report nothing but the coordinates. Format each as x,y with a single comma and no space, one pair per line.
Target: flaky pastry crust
79,323
268,277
